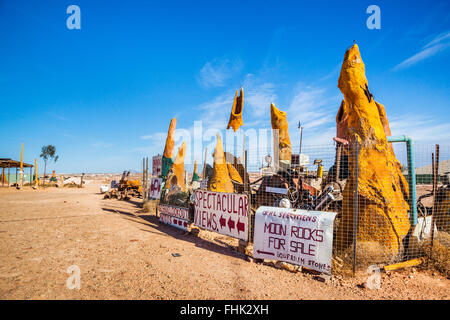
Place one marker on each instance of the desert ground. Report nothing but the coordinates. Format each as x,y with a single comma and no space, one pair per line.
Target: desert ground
124,253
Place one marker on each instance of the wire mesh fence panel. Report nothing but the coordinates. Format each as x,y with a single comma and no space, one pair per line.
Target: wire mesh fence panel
390,203
382,216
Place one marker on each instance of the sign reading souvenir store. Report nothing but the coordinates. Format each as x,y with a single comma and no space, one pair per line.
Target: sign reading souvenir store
225,213
175,216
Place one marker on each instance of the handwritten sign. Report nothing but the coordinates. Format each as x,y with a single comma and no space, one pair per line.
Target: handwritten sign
156,166
155,188
225,213
204,184
175,216
296,236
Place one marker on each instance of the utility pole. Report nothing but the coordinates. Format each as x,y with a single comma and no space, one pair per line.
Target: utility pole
300,149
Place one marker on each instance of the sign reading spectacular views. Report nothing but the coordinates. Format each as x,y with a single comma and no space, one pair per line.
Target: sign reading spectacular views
225,213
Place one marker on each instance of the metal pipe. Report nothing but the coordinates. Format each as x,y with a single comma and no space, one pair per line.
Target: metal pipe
411,174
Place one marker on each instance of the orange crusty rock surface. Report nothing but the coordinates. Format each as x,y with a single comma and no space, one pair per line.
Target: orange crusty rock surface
235,120
279,122
383,190
220,179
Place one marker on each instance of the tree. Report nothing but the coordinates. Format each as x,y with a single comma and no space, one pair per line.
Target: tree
48,153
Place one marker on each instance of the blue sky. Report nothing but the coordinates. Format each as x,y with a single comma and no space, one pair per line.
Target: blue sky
104,95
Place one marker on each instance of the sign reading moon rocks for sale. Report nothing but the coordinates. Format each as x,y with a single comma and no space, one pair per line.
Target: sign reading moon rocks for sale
296,236
175,216
225,213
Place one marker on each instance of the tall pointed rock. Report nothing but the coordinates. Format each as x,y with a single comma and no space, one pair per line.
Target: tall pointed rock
383,190
168,149
279,122
220,179
235,120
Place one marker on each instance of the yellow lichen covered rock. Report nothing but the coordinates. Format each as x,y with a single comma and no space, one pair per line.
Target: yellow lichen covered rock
195,176
134,184
178,174
442,214
3,179
279,122
383,207
236,112
220,179
170,142
234,174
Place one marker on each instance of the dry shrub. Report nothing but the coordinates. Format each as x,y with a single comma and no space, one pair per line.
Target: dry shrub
367,253
439,257
71,185
150,206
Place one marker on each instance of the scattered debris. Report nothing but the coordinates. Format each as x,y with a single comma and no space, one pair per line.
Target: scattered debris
322,278
404,264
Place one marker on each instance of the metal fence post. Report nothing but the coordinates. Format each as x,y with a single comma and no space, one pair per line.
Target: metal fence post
433,210
355,205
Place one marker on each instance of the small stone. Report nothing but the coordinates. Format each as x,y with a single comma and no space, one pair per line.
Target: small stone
322,278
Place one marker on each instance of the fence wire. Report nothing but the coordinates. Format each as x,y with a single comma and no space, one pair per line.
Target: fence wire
379,221
383,216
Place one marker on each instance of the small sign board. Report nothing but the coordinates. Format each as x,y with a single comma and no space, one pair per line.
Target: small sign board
155,188
175,216
299,160
276,190
296,236
156,166
224,213
204,184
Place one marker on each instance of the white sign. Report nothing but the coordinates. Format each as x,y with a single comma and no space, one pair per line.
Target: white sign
204,184
276,190
296,236
175,216
156,166
155,188
225,213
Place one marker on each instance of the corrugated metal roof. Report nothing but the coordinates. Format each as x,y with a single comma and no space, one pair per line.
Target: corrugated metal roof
9,163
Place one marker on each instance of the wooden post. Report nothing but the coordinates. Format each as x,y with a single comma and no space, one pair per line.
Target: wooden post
146,179
36,177
204,164
21,169
435,181
245,172
143,179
